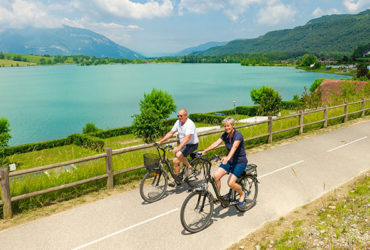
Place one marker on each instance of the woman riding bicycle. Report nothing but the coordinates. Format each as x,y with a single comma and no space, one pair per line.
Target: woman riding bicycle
236,160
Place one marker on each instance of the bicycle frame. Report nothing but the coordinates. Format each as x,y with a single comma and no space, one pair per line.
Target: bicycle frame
164,160
221,198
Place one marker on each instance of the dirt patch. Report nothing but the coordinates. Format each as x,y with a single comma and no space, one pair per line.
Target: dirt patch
57,207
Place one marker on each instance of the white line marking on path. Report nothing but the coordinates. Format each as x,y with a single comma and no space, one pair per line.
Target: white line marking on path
124,229
277,170
341,146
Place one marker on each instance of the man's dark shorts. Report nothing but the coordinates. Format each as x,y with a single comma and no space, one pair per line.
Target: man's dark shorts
188,149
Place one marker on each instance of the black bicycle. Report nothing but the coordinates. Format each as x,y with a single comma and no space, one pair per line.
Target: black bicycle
154,184
197,209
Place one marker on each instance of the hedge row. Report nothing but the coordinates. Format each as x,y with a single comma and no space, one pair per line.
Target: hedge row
206,118
291,104
78,139
37,146
247,110
112,132
226,112
87,141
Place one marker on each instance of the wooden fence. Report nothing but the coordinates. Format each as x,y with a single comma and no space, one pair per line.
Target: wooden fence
5,175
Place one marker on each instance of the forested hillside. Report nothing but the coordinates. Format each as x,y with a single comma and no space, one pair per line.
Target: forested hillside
327,35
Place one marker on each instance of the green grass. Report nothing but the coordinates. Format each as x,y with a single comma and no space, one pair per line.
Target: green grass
11,63
49,156
122,141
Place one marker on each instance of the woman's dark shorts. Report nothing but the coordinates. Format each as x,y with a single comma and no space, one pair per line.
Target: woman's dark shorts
188,149
236,169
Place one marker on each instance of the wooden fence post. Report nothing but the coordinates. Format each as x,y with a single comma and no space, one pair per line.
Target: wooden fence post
363,107
109,167
345,111
325,116
300,122
5,193
270,129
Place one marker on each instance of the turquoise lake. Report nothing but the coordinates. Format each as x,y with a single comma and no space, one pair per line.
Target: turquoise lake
50,102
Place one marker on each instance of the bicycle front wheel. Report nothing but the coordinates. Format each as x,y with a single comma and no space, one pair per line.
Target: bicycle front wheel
153,186
196,211
250,187
200,170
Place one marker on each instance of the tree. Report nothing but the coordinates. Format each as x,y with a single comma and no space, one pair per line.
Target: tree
362,72
160,102
149,125
313,99
4,137
268,99
308,59
155,107
90,128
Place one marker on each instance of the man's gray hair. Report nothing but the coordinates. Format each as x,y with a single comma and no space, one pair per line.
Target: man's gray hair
229,120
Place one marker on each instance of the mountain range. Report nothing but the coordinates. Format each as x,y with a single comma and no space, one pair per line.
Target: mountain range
327,35
199,48
62,41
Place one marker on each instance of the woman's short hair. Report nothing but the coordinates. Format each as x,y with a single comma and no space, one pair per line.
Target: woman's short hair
228,120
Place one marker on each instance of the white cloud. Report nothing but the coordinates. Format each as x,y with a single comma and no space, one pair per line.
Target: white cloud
318,12
276,13
354,6
129,9
200,6
238,7
231,8
20,13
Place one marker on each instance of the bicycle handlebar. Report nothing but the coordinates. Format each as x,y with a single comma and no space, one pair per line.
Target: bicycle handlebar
163,148
215,157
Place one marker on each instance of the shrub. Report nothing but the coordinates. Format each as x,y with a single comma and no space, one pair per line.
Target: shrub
4,137
363,72
86,141
312,100
90,128
293,104
159,102
155,107
316,84
206,118
24,148
112,132
148,125
268,99
244,110
226,112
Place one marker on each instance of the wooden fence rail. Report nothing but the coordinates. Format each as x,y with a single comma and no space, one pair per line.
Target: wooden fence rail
5,175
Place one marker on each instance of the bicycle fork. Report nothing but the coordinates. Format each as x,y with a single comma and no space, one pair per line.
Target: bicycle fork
157,178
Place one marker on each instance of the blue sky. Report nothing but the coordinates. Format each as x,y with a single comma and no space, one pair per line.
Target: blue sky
157,27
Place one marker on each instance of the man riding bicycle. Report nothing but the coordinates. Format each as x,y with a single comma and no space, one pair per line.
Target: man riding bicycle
188,142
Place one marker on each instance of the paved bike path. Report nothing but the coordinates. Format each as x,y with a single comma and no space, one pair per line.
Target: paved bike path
290,176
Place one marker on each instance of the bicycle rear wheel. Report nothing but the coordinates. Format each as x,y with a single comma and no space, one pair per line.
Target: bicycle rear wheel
153,186
196,211
250,187
200,169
